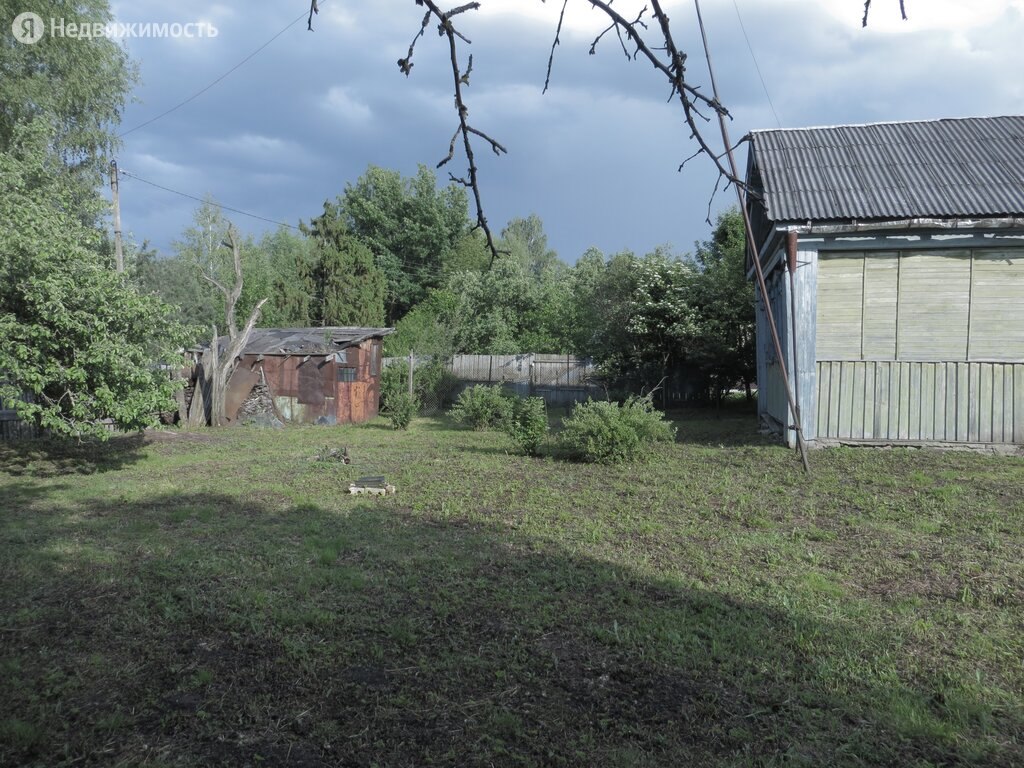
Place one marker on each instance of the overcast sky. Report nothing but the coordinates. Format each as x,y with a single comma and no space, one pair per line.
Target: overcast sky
595,157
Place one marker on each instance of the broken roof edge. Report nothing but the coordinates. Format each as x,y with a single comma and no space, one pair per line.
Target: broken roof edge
317,340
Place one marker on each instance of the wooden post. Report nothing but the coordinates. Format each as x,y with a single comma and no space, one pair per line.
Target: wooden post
116,198
216,399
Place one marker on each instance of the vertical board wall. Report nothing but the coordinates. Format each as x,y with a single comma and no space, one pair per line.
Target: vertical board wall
921,345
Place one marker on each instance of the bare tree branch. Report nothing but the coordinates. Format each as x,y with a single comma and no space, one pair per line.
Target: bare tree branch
662,52
405,65
555,43
447,29
867,9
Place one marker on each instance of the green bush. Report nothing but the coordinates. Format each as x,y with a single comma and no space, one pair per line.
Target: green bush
432,384
527,424
400,409
609,433
482,407
394,380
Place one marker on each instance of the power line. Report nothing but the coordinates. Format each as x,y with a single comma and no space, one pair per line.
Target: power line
206,200
756,66
200,92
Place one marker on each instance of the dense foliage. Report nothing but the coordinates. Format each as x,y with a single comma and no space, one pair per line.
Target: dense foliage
81,347
609,433
482,407
527,424
413,229
79,341
401,408
346,285
75,87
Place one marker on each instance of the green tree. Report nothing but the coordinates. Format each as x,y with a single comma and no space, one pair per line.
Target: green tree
525,241
600,304
198,253
290,259
724,342
412,228
348,288
76,87
77,337
662,316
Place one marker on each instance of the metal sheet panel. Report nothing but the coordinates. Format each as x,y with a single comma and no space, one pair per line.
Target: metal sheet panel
943,168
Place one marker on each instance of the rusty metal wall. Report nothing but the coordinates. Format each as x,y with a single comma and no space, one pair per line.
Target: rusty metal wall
310,392
357,399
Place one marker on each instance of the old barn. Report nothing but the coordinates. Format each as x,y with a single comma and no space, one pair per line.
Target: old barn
307,376
894,259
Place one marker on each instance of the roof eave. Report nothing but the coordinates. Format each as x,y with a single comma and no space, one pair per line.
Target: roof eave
889,226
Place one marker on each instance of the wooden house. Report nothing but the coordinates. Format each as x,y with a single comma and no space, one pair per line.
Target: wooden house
306,376
904,319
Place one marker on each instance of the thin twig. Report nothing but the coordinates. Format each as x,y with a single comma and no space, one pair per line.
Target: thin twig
556,42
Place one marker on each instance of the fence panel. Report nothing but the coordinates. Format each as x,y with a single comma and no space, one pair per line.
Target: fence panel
559,379
12,427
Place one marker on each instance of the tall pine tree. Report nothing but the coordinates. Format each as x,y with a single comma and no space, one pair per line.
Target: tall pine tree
347,285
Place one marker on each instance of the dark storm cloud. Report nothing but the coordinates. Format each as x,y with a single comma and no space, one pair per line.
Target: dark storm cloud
596,157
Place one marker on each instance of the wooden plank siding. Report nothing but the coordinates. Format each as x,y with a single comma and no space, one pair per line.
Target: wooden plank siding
920,345
772,400
920,401
933,306
997,306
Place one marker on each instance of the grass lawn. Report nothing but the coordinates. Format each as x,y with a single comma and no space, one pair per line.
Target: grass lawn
217,598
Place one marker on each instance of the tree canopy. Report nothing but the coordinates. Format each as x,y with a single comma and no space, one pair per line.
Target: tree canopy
412,228
78,340
77,88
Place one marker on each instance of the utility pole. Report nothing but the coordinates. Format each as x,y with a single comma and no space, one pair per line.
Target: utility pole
118,253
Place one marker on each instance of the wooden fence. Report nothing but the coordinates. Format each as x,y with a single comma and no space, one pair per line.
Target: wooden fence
12,427
559,379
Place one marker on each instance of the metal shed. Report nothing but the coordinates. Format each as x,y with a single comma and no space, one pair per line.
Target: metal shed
325,375
904,319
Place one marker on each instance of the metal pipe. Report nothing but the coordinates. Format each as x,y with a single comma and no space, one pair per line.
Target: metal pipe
791,248
759,272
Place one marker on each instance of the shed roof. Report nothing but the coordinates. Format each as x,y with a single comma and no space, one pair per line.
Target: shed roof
307,341
948,168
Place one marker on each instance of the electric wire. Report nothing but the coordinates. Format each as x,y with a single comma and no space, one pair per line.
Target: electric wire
206,200
203,90
753,58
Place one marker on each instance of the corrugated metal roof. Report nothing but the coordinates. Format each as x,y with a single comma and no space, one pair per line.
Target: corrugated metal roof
970,166
305,341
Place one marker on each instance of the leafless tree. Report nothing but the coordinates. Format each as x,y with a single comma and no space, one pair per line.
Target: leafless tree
214,374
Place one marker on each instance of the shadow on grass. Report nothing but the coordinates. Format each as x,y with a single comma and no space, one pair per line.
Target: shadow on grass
52,457
202,630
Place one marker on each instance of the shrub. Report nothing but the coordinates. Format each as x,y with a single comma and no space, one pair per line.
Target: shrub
527,424
482,407
394,380
610,433
432,384
400,409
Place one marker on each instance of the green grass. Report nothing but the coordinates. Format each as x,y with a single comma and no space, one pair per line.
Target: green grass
218,598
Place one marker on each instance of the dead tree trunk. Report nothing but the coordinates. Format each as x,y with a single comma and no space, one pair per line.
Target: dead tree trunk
218,365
